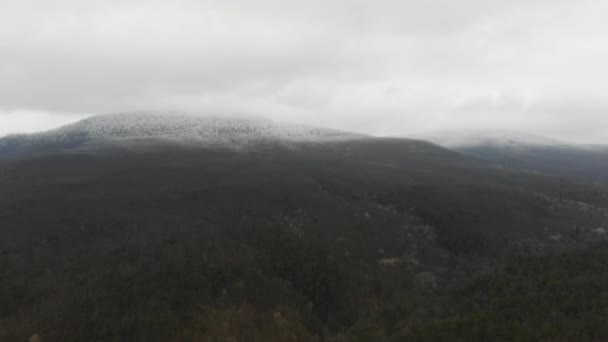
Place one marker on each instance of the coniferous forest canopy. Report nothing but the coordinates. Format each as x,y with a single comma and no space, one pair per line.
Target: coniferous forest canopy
383,239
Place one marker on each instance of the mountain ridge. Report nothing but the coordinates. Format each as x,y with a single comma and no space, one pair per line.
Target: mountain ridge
497,138
528,152
175,127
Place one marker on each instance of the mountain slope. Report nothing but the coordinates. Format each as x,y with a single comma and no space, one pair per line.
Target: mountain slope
527,152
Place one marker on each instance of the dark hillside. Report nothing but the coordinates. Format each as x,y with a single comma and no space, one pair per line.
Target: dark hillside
363,238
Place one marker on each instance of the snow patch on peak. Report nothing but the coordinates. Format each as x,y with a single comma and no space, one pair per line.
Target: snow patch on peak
183,127
499,138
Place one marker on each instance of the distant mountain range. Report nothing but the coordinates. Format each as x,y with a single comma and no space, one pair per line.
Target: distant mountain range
527,152
508,149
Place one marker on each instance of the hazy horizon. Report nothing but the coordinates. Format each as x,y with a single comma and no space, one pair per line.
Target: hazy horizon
39,127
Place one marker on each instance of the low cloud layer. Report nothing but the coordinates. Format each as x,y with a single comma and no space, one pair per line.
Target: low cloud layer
381,67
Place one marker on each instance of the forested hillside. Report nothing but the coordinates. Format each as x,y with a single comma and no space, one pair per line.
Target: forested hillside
364,240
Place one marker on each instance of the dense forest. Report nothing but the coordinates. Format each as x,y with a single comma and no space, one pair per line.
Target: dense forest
385,240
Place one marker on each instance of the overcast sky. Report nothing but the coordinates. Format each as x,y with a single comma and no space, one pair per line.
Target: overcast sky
381,67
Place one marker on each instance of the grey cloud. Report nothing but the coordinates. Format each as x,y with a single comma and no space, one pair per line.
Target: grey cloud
383,67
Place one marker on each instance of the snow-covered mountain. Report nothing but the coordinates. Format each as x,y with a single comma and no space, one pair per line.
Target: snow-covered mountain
178,127
498,139
526,151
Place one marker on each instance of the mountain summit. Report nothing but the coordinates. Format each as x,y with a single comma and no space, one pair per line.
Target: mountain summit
176,127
